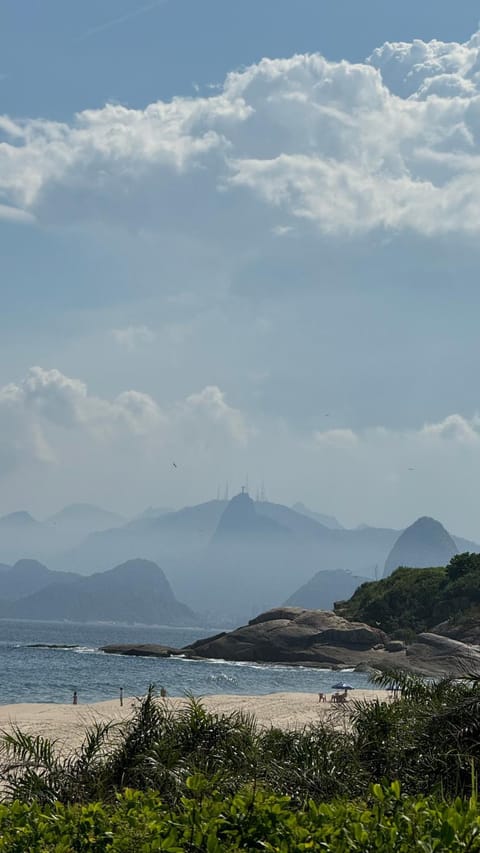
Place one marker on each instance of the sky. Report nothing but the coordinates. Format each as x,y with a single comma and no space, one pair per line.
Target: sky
243,238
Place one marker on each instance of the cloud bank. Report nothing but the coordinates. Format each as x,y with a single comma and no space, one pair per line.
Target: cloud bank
388,144
44,402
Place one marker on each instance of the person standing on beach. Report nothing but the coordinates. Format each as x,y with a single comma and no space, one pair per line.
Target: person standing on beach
75,697
121,697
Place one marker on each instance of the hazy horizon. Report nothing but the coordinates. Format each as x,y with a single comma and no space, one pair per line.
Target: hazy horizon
241,241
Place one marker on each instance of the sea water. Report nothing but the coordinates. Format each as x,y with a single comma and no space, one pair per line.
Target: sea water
47,661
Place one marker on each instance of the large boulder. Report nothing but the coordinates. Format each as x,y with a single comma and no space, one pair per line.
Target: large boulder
294,635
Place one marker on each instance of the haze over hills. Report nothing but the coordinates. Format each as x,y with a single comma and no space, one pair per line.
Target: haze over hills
325,588
241,523
425,543
135,592
326,520
82,518
22,535
225,559
27,577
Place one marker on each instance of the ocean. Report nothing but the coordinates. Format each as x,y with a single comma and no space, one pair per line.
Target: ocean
47,661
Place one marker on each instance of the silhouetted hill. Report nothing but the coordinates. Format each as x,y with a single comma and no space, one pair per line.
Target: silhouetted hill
18,520
326,520
155,512
22,536
165,538
324,589
136,591
465,545
301,526
241,524
27,577
86,517
425,543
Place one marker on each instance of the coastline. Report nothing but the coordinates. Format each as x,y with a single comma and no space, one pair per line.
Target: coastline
67,723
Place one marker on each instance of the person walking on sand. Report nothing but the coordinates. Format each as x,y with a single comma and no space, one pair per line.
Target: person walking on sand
121,697
75,697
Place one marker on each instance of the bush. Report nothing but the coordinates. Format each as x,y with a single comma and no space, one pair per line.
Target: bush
429,740
415,600
141,823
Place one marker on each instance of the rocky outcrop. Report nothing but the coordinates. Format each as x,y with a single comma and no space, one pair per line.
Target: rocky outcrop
294,635
424,544
435,655
291,635
146,650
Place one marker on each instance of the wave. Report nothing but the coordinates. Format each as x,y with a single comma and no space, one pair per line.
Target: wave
61,647
49,646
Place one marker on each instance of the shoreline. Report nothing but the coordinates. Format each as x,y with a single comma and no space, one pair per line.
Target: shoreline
67,723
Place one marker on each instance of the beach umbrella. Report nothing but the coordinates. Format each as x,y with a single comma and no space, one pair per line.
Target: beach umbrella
342,686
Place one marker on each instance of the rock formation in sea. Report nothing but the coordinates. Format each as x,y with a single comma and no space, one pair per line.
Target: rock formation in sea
292,635
424,544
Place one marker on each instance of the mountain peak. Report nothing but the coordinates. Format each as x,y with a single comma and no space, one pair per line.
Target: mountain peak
425,543
21,518
240,522
86,514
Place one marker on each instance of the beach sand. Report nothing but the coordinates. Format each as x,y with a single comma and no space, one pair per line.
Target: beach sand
67,723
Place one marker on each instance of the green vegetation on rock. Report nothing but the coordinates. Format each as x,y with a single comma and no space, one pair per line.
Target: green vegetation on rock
415,600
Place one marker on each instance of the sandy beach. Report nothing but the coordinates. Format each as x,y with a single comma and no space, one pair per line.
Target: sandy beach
67,723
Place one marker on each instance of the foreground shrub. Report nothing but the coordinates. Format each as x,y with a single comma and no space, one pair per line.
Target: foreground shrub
141,823
429,741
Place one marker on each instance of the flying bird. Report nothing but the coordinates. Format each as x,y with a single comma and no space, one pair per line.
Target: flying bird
174,464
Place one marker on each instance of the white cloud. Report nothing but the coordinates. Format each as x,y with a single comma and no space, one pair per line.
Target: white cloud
454,429
132,337
341,438
391,143
33,411
210,409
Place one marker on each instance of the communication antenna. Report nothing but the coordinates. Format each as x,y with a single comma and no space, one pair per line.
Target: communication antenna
226,491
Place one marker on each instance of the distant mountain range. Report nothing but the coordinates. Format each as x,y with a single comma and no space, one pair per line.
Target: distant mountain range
135,592
225,559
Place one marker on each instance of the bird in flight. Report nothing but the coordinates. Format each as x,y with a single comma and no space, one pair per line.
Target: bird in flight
174,464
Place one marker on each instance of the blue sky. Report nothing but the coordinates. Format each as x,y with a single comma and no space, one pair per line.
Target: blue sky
60,57
274,272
